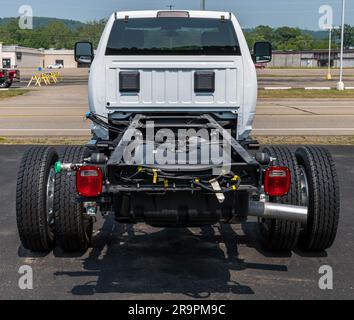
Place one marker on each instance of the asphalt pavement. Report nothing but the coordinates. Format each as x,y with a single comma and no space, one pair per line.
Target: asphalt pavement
140,262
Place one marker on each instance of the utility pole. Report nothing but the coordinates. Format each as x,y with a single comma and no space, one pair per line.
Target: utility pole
340,84
171,6
329,76
202,5
330,29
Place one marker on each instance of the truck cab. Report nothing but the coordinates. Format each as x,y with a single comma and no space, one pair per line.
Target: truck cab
176,61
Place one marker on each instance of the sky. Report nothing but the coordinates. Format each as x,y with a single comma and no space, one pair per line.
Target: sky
250,13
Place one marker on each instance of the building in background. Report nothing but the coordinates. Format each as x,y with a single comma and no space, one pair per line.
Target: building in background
310,59
63,57
20,57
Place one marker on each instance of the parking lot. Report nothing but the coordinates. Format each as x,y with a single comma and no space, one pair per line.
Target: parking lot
140,262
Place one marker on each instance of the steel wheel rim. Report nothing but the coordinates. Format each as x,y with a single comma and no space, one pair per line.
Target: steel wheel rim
50,197
304,187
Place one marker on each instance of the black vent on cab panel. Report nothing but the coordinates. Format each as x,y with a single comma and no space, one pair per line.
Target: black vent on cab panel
204,81
129,81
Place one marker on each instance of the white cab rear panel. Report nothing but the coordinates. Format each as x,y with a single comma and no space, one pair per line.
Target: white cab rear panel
169,82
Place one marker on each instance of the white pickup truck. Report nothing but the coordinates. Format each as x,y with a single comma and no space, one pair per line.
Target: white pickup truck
172,99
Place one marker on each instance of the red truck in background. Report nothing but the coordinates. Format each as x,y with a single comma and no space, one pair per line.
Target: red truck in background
261,65
8,76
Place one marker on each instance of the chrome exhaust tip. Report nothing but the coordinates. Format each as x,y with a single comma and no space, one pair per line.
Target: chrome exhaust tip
279,211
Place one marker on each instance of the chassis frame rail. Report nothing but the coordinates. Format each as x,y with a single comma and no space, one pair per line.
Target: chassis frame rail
117,156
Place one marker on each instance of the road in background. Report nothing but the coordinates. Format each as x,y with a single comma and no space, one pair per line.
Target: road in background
60,111
141,262
46,111
295,117
300,78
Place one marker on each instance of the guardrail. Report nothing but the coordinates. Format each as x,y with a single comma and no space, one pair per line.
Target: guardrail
46,78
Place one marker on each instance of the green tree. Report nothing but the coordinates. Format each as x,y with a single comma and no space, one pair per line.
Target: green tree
284,38
348,36
91,31
58,35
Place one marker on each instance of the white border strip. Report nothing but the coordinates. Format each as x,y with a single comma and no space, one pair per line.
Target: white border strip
277,88
318,88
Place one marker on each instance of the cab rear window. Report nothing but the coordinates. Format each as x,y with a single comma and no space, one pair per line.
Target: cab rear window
173,36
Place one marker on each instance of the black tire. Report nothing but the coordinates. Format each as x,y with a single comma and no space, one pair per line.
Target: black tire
35,226
280,235
323,199
73,227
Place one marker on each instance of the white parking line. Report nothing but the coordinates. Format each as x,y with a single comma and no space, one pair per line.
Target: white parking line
277,88
318,88
305,129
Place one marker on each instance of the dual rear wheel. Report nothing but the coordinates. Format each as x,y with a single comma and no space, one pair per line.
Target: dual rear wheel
47,211
314,183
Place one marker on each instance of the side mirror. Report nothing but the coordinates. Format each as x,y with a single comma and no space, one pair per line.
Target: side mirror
262,52
84,52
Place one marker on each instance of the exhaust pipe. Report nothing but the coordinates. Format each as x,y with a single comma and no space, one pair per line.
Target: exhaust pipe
279,211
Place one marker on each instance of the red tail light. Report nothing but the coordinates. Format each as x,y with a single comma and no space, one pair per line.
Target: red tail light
89,181
277,181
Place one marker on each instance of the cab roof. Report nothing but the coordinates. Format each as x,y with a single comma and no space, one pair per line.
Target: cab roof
154,13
